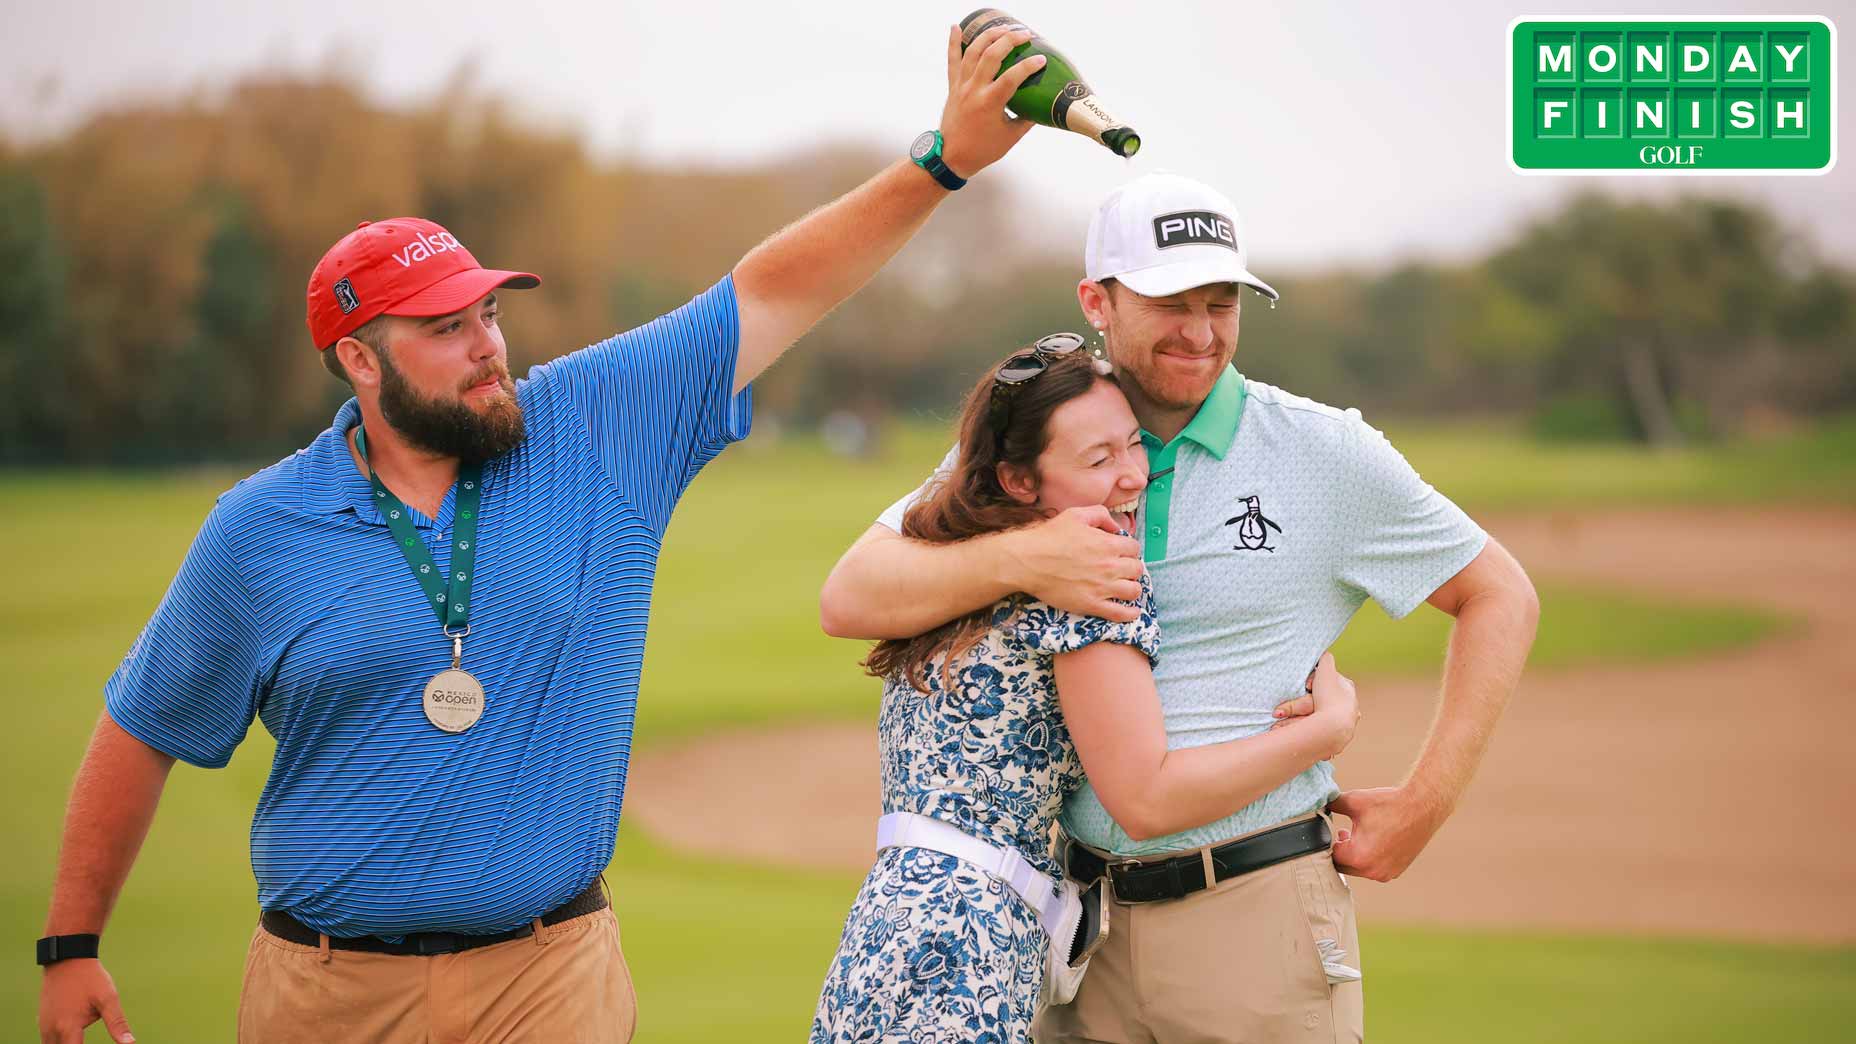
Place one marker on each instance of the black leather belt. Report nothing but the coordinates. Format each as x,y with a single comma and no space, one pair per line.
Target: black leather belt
429,944
1133,881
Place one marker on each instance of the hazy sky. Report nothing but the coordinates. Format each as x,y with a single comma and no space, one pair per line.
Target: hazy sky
1346,132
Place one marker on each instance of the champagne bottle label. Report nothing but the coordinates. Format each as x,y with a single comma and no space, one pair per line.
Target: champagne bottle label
980,21
985,18
1077,109
1055,95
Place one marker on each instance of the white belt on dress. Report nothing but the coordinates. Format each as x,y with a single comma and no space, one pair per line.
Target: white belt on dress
1039,891
1058,901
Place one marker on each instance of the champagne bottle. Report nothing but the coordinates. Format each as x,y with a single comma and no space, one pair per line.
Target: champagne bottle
1055,95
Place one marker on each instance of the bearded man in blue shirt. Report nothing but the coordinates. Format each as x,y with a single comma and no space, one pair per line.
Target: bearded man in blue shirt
438,608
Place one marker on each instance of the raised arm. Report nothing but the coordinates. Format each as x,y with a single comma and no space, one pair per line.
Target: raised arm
888,586
1113,713
799,274
112,804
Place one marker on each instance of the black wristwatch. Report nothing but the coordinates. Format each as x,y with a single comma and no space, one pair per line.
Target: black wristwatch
55,948
926,152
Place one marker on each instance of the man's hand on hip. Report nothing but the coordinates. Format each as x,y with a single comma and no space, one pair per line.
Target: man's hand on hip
75,994
1390,826
975,128
1078,561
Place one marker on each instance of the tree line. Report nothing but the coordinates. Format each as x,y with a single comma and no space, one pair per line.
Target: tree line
156,257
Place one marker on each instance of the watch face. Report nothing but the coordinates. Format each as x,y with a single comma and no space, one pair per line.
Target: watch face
924,144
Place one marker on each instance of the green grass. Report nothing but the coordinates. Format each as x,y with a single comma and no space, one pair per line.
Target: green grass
1497,467
1435,986
732,952
1423,985
759,532
728,952
1578,626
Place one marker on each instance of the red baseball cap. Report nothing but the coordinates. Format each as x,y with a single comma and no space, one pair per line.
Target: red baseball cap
401,266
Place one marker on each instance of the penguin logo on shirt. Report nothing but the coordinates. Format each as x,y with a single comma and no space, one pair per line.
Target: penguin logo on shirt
1251,532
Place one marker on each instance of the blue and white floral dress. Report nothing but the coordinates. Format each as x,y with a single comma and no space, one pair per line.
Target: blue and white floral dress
936,951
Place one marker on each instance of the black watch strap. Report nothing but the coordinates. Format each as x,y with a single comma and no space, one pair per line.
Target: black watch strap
926,152
55,948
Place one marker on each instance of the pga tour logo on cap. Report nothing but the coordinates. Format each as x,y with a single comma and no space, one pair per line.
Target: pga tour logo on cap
1194,226
344,296
1672,95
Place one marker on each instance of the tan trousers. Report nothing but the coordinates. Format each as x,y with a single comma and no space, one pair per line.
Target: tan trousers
1236,962
567,985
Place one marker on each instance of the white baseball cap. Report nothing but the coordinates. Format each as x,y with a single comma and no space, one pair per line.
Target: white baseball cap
1161,234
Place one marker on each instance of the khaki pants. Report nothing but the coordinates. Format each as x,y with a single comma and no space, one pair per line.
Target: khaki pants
567,985
1236,962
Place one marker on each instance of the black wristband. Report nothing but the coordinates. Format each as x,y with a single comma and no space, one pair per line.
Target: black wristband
55,948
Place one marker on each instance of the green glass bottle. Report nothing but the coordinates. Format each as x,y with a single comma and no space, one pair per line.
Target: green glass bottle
1055,95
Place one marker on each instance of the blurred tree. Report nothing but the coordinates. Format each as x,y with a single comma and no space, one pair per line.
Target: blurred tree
219,382
158,255
33,377
1817,317
1655,305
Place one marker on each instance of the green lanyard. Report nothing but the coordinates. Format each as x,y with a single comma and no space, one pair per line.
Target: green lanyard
453,605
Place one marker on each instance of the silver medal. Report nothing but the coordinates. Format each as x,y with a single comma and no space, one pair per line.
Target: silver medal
454,698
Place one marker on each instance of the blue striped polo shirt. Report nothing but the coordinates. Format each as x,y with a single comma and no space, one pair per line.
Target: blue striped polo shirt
294,605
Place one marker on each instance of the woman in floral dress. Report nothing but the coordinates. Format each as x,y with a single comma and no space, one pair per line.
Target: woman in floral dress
972,731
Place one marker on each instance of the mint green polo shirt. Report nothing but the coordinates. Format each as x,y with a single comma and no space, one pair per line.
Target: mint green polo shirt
1267,522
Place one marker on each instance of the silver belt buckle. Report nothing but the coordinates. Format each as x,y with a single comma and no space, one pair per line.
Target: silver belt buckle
1109,866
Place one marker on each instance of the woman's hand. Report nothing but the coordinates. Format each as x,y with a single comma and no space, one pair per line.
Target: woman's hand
1337,705
1113,712
1331,704
1299,707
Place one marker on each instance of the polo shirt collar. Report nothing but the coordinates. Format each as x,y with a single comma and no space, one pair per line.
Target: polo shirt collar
1214,427
331,482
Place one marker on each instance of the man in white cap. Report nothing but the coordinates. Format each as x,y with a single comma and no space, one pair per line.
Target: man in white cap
1268,520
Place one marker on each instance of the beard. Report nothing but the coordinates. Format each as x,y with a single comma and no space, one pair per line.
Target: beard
1167,390
452,427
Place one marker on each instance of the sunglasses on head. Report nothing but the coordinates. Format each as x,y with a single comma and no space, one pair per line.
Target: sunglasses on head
1026,365
1022,369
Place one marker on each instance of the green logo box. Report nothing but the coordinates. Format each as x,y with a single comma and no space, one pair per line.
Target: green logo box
1622,95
